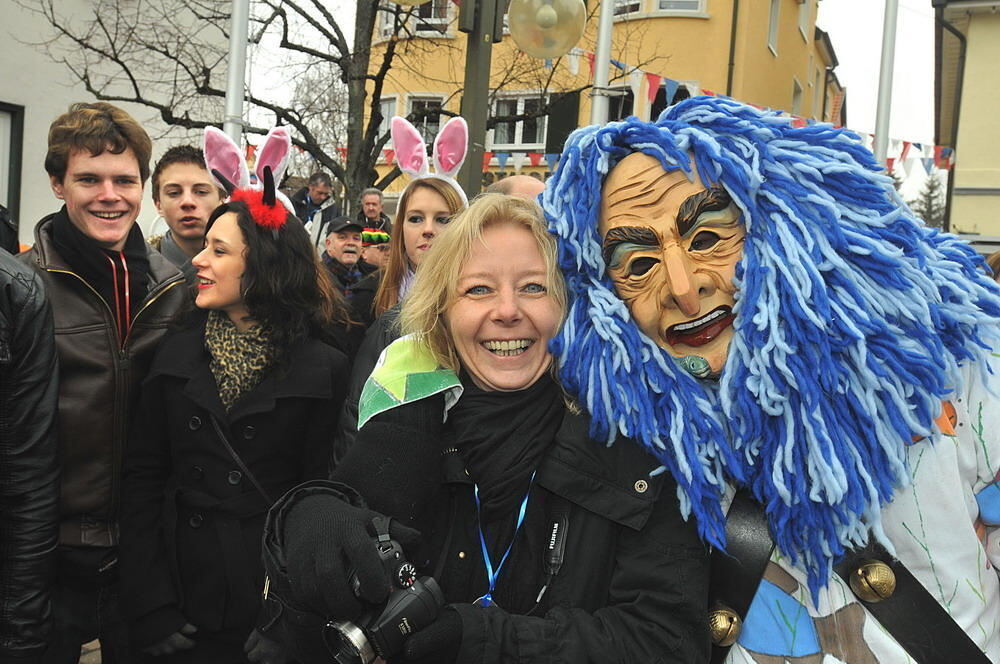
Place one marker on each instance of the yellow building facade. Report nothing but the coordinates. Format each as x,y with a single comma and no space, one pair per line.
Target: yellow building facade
763,52
968,50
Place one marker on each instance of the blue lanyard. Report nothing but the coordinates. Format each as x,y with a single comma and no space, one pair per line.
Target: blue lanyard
491,576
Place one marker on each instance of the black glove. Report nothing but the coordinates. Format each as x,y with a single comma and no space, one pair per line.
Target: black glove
326,539
438,643
263,650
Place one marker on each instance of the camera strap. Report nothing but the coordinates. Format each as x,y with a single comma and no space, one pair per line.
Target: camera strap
491,575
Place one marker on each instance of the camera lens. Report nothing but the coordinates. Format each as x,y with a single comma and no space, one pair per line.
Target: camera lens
348,643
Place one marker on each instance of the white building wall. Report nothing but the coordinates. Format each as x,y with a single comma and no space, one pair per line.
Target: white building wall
45,89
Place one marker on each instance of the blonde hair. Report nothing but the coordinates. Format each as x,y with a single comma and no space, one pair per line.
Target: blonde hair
398,265
994,262
435,288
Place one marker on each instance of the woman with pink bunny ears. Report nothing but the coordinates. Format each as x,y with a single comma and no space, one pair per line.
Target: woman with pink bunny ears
428,203
425,208
236,410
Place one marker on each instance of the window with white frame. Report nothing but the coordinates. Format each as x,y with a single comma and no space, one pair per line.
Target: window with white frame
626,6
432,17
796,97
387,107
682,5
805,13
621,103
386,23
772,30
526,133
428,119
6,122
817,85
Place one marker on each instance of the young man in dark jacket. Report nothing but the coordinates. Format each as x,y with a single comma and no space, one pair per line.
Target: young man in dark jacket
29,488
113,299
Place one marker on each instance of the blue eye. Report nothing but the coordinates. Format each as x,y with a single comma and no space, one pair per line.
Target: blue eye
535,289
478,290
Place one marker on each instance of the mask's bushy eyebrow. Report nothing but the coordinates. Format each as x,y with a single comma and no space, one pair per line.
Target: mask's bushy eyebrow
712,199
633,234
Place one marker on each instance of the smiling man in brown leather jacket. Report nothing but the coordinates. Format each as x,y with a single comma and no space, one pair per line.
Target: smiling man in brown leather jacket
113,299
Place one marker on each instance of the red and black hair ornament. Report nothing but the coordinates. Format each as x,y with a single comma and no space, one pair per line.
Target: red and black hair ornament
265,208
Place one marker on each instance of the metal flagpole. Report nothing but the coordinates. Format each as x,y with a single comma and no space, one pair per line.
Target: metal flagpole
885,81
602,60
233,119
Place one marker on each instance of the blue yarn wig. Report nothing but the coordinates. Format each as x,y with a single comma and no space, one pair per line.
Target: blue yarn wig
852,320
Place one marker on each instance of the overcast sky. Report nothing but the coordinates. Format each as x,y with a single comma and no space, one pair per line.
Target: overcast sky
855,27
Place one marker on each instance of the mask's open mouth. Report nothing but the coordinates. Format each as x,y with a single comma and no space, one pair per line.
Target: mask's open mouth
702,330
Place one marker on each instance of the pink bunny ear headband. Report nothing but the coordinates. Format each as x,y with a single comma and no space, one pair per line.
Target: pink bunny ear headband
450,149
226,164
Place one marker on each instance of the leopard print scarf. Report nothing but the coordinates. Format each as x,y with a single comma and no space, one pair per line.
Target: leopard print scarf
239,359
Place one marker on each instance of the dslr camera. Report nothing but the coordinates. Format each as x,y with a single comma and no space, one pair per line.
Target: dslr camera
413,604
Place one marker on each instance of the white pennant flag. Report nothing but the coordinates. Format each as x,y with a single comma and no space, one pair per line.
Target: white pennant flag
895,147
573,61
908,164
517,160
635,81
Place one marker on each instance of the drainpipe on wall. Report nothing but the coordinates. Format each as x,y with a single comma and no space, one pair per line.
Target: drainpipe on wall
939,6
732,49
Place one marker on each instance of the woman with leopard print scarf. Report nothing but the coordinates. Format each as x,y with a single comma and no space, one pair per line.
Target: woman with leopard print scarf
238,408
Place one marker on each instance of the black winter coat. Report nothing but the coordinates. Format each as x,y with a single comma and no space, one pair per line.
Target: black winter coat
382,332
191,518
633,585
29,470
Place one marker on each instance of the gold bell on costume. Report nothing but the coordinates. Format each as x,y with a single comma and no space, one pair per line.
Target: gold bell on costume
873,581
724,624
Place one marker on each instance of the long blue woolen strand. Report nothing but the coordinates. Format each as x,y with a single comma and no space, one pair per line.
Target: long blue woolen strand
851,322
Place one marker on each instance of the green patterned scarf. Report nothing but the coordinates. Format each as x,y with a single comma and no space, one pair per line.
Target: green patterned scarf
239,359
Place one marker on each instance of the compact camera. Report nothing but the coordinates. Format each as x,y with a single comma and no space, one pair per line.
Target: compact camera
413,604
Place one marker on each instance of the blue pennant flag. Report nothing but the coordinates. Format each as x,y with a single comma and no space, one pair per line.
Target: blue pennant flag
671,87
552,159
502,158
928,163
620,65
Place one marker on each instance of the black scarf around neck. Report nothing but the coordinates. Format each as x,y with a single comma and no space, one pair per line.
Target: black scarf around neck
105,270
501,437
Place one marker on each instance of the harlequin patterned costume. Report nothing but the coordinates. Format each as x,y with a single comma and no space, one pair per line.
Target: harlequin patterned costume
854,325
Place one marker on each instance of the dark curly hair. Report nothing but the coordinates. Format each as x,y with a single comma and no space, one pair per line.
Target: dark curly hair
285,287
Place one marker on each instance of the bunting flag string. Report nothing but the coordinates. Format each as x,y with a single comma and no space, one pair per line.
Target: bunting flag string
904,153
942,157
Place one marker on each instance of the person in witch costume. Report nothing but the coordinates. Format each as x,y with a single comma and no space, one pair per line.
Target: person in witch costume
547,546
236,410
818,371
